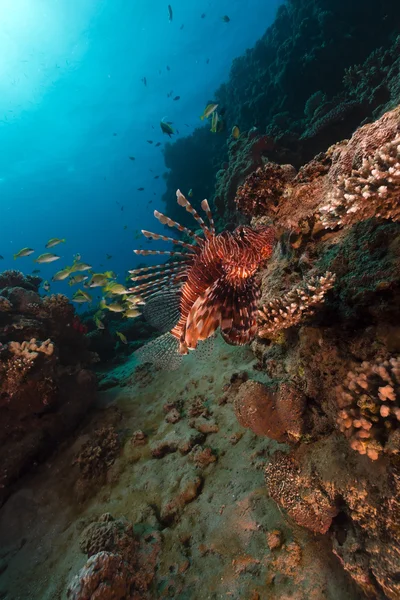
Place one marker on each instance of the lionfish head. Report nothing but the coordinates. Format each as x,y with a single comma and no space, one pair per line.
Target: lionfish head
246,250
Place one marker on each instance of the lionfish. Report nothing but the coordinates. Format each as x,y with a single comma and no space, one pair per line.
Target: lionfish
212,285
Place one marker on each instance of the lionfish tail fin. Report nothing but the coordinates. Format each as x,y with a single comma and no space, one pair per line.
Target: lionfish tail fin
182,201
163,353
206,207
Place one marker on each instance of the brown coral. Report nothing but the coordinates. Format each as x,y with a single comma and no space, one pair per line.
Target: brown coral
290,309
99,453
369,402
255,408
262,190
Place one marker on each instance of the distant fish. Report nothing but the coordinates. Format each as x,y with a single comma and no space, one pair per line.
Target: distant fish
182,26
190,193
209,109
54,241
131,158
158,144
121,337
125,226
156,176
170,94
47,257
177,98
203,16
1,257
168,68
141,189
108,256
114,134
225,19
23,252
99,324
46,286
144,80
207,61
235,132
35,271
77,256
149,141
170,14
214,122
166,128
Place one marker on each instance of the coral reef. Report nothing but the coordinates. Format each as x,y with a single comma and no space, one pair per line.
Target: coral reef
369,402
45,386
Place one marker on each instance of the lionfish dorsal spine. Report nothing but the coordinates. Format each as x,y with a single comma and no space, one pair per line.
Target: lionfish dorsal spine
164,220
166,265
161,272
162,252
182,201
206,207
158,236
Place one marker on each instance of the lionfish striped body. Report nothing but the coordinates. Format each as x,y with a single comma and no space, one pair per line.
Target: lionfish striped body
214,281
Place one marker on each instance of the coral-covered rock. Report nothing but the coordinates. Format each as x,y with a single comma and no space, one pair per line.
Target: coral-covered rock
98,453
105,576
255,408
300,494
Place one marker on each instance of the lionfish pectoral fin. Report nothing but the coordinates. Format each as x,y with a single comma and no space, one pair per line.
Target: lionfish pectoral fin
162,311
204,318
163,352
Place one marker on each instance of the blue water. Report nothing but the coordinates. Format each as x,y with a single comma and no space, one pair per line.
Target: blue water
73,108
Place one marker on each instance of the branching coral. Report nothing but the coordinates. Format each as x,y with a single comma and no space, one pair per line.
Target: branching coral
371,191
369,402
30,350
289,310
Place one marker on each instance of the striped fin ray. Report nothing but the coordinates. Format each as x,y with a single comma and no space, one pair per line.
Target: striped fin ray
157,274
161,352
171,287
164,220
182,201
158,236
160,266
206,207
163,252
158,282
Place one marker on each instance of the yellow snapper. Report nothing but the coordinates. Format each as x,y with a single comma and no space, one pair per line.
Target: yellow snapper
23,252
121,337
54,241
235,132
80,266
209,109
61,275
75,279
99,324
46,258
131,313
116,288
97,280
114,307
81,296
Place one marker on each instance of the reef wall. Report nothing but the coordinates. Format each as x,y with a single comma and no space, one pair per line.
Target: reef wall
321,70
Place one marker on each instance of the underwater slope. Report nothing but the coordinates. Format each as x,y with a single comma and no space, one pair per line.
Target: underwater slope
172,461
